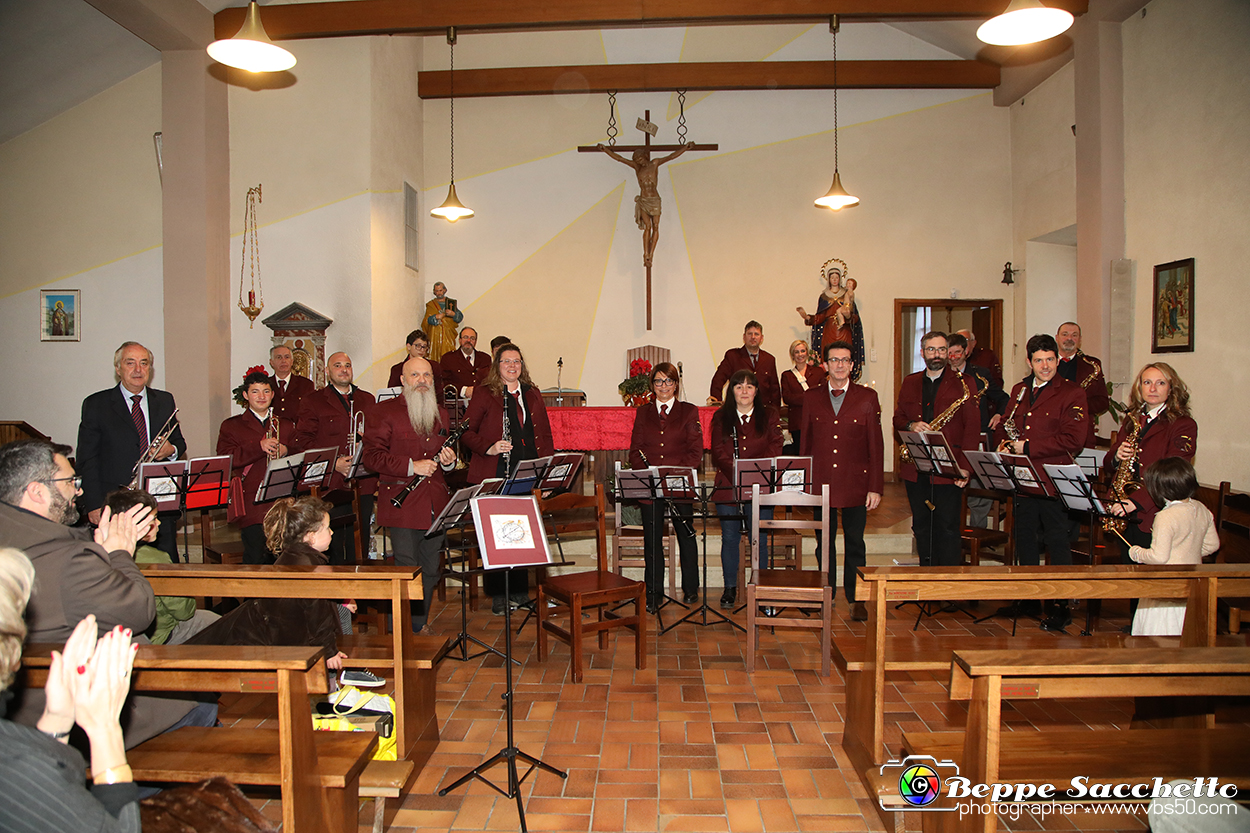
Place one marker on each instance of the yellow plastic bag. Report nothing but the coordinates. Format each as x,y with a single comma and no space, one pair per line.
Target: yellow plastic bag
355,718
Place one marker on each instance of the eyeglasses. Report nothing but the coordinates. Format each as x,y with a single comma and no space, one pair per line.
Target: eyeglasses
664,383
76,480
510,361
839,361
934,350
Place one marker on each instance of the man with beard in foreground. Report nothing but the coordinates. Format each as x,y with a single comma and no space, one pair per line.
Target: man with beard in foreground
404,438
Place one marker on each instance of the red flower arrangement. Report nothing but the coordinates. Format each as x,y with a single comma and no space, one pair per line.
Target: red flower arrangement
240,390
636,389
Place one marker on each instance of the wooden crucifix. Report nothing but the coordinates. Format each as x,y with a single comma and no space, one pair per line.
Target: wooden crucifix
647,203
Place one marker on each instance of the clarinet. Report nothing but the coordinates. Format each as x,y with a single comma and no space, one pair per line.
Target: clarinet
452,436
506,437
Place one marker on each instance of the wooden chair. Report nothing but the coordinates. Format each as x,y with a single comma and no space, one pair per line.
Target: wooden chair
231,553
1233,524
599,589
628,550
792,589
337,496
998,535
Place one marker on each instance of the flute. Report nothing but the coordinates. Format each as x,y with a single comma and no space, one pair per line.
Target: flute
452,436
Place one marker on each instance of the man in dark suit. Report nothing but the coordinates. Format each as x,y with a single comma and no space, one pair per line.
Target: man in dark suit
117,425
327,418
467,367
750,357
935,500
404,437
288,388
841,432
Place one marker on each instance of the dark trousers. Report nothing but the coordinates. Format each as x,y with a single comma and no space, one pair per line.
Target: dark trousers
167,534
937,530
734,519
343,540
1047,516
653,546
254,549
413,549
854,519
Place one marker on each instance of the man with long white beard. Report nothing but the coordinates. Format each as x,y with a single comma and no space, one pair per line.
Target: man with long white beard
404,438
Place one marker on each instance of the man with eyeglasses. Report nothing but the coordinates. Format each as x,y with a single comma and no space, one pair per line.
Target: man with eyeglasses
841,432
935,500
116,427
77,573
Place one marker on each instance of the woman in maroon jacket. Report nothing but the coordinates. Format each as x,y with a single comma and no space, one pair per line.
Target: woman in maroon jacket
667,433
508,396
740,430
795,383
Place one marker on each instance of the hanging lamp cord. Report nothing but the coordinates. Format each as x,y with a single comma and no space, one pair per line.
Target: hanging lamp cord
835,95
451,87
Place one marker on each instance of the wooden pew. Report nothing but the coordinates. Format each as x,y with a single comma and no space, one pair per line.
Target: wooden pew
318,772
865,661
987,755
407,658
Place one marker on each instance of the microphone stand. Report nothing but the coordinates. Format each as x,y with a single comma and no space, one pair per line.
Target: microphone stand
559,387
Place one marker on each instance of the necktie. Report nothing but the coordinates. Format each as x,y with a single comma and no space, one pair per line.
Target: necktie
746,418
136,414
752,360
281,387
663,415
837,393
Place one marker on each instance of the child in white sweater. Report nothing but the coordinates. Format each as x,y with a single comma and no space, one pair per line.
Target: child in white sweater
1183,533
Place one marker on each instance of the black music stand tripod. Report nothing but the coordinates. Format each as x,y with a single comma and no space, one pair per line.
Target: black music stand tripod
704,493
644,485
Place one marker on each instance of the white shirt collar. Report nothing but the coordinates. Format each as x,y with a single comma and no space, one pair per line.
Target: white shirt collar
1156,410
847,386
283,380
258,416
747,415
126,395
669,404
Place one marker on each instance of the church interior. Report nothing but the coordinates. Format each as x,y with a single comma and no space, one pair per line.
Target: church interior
1083,163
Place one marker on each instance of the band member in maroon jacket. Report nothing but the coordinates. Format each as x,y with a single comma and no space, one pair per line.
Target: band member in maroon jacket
1159,403
750,356
1083,371
467,367
842,434
328,417
1049,415
288,388
418,346
246,439
508,396
742,428
667,433
983,357
935,500
403,438
795,383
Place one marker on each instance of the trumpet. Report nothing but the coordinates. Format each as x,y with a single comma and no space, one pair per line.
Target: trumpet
356,434
149,454
273,431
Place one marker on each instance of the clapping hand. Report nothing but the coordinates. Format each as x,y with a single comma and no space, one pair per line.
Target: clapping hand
63,673
124,531
101,688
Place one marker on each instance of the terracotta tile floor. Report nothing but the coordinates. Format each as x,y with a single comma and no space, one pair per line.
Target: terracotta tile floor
691,743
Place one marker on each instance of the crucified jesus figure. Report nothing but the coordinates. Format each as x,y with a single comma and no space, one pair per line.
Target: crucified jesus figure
647,203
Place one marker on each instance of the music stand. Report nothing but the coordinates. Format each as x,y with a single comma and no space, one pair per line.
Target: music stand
528,474
457,512
771,474
384,394
510,534
318,467
703,494
658,484
166,482
207,486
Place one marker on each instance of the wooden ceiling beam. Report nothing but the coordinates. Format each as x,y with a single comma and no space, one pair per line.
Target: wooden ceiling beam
343,18
749,75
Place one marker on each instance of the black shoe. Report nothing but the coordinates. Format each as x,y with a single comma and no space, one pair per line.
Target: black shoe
690,596
728,598
652,607
498,606
1059,617
859,613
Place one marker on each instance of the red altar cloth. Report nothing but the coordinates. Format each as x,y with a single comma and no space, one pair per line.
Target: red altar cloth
592,429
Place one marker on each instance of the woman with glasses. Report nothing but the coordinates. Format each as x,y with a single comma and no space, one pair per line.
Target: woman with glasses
795,383
740,431
418,347
667,433
507,424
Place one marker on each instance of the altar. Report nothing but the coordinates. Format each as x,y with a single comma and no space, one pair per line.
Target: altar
605,433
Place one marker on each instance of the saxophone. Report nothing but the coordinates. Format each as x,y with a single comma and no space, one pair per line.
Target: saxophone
1123,483
1009,424
942,418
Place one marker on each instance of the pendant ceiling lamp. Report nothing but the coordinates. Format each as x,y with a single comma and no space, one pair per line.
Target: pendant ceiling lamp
837,198
251,48
452,209
1024,21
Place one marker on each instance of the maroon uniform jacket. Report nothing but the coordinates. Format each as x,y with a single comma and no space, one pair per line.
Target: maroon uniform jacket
1087,374
1160,438
240,437
397,372
765,369
324,421
1055,424
457,370
963,431
485,418
678,443
390,443
792,392
987,358
750,445
847,449
287,404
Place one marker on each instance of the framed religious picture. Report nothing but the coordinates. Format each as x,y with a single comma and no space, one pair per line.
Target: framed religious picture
1173,305
59,315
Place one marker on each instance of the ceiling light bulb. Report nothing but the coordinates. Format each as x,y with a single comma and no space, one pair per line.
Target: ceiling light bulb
250,48
1024,21
837,198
